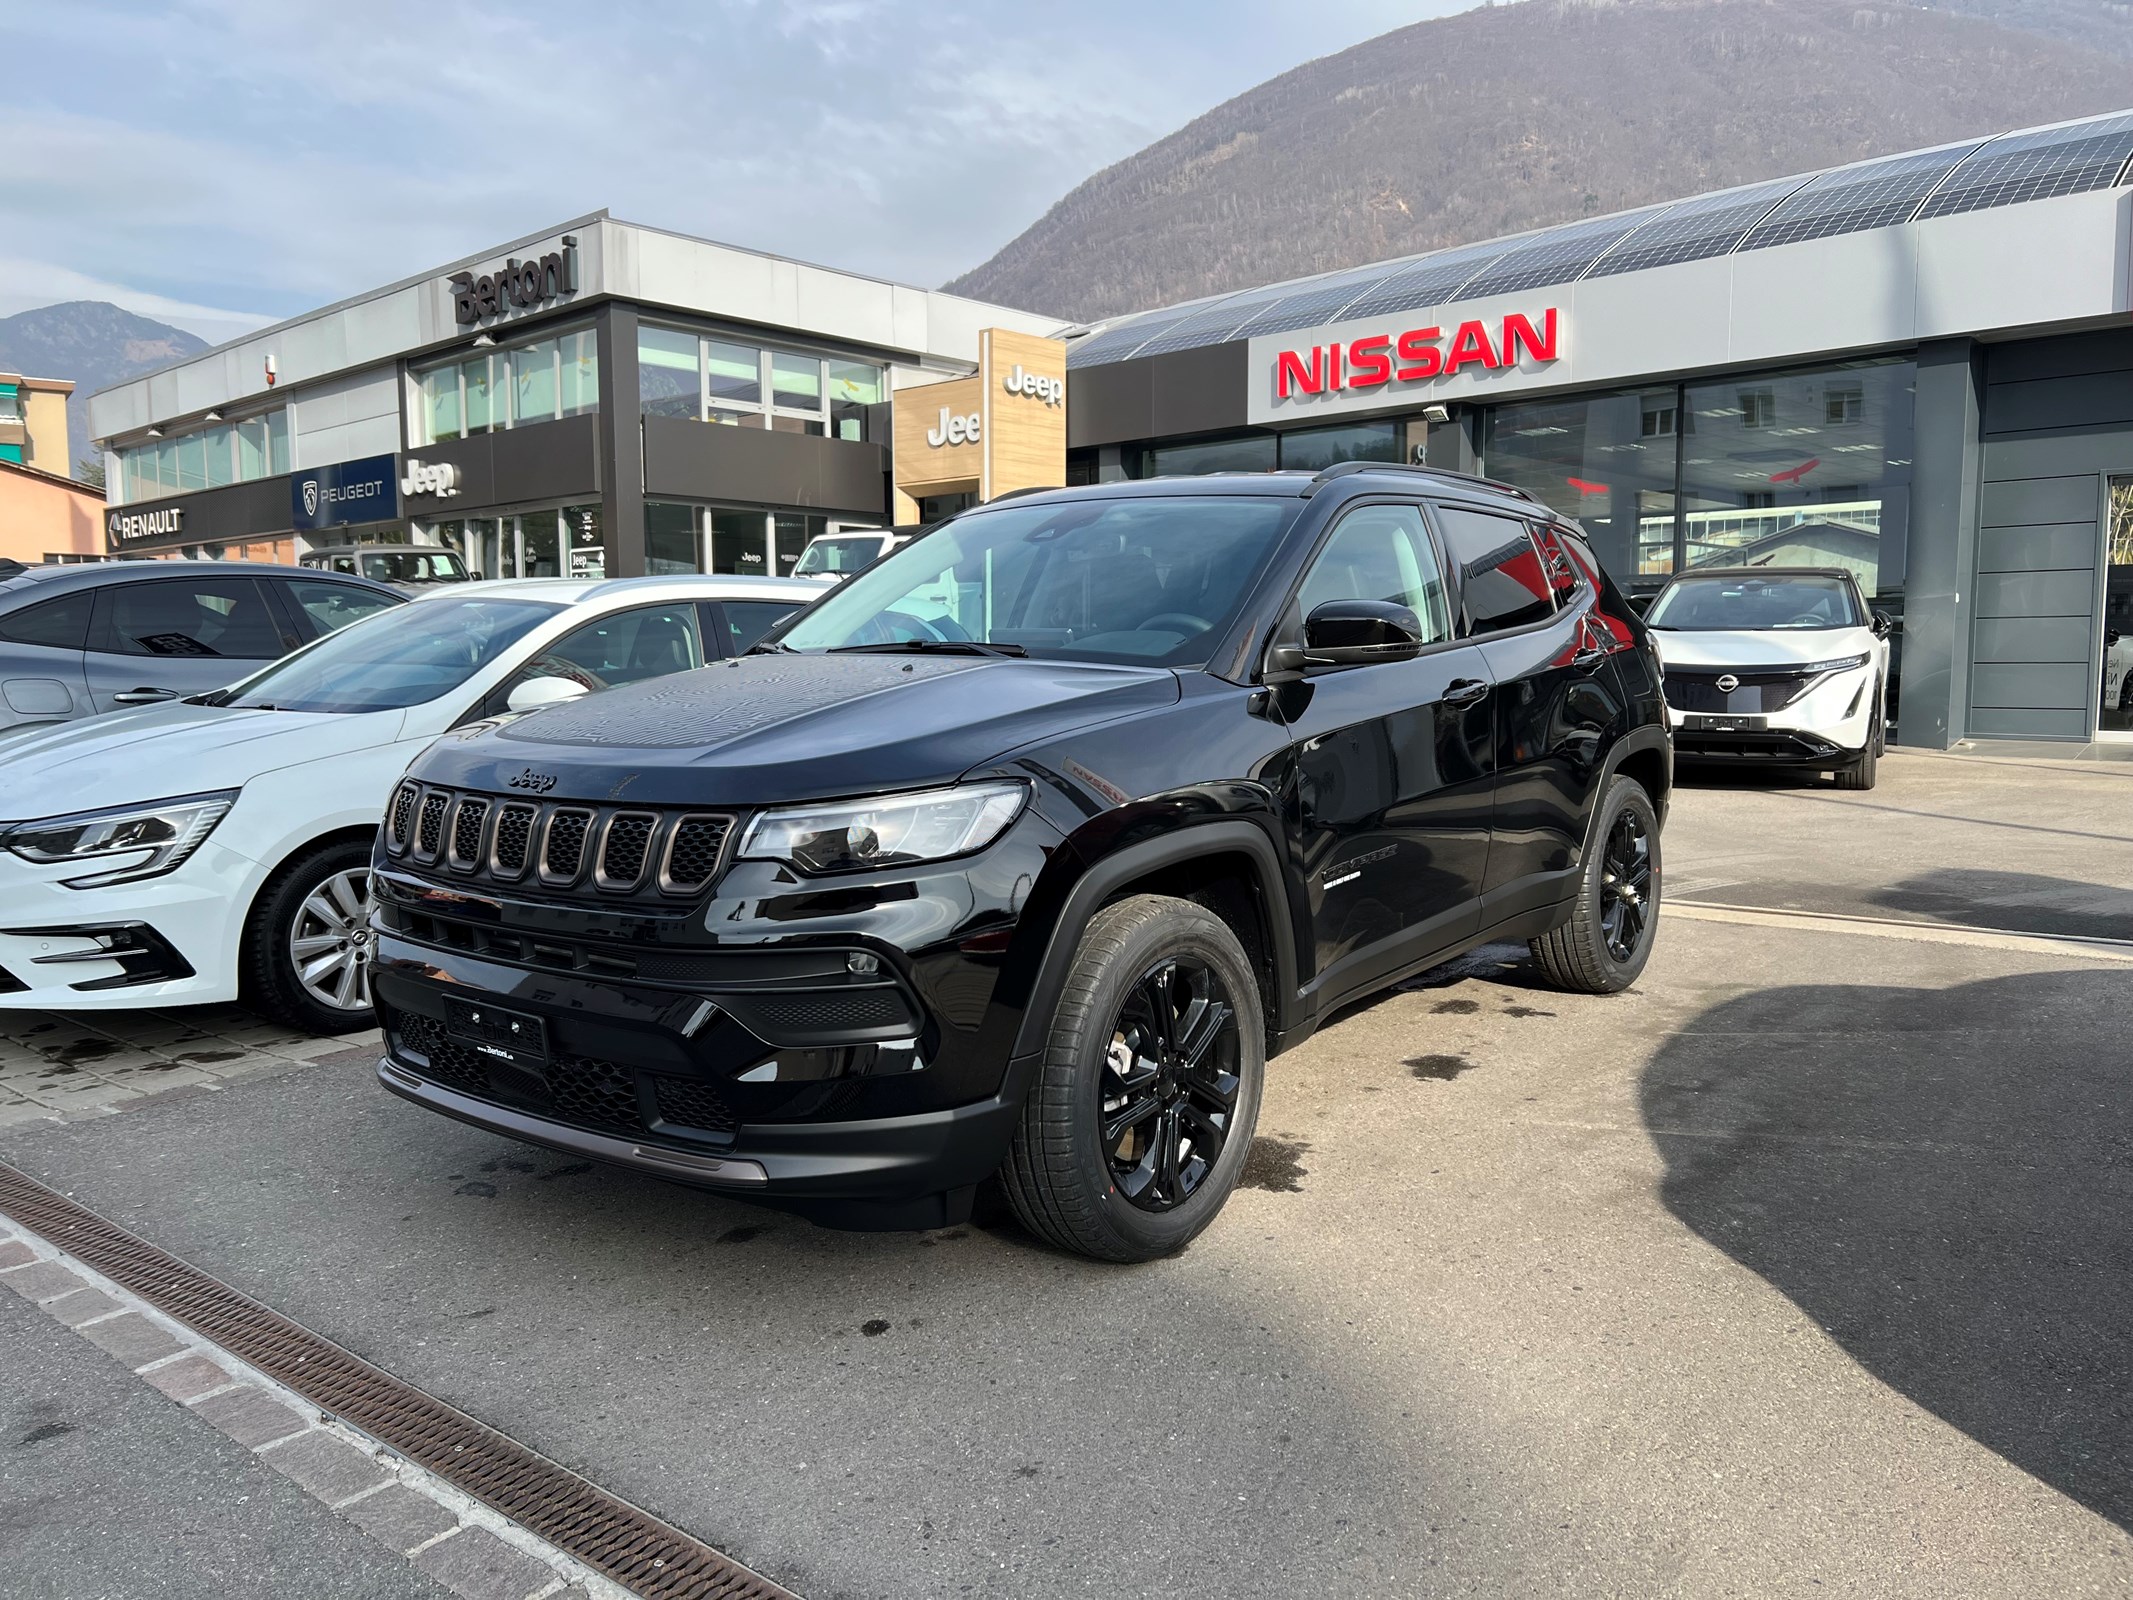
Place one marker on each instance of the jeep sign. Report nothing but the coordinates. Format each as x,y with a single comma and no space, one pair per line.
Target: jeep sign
1052,391
423,477
955,429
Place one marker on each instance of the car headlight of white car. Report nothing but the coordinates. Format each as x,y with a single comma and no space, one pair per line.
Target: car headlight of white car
125,842
1836,664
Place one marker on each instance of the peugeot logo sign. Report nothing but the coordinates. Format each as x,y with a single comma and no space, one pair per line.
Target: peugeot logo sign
1727,683
311,497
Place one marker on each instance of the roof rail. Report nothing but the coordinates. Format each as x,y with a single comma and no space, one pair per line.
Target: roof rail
1348,469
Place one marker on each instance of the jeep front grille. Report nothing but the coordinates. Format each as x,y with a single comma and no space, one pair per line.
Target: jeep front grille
607,851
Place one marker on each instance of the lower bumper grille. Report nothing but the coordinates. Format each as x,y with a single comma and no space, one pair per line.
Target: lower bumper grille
584,1091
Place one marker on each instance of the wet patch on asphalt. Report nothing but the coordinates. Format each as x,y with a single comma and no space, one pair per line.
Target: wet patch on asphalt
1455,1008
1526,1011
1439,1068
1273,1164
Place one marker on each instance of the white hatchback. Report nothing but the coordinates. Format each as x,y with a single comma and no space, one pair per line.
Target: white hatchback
218,847
1775,667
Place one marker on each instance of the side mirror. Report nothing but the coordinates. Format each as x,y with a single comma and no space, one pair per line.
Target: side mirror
1346,633
537,692
1882,625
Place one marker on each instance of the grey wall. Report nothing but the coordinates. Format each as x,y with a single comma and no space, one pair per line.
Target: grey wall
1941,546
686,460
1178,392
541,461
2058,420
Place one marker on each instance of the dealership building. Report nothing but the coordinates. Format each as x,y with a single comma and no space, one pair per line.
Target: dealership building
598,398
1919,368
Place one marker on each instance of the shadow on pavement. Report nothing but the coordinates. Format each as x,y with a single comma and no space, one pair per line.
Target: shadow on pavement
2027,901
1941,1179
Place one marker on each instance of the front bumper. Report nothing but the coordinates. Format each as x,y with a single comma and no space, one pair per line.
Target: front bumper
1826,728
171,940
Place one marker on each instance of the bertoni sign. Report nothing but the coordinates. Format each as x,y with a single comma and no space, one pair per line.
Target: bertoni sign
519,286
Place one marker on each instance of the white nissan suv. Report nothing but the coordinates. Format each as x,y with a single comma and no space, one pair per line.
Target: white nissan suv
1775,667
218,847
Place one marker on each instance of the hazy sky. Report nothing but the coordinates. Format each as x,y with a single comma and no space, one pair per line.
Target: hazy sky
218,163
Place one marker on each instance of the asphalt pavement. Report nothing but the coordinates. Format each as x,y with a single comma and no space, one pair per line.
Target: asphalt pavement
1800,1267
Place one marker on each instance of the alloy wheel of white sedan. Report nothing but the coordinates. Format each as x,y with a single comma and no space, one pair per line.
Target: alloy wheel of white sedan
329,942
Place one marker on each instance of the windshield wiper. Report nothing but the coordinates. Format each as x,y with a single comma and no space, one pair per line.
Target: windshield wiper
956,647
768,649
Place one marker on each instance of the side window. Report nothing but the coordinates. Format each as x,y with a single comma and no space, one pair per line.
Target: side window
746,621
625,647
215,617
1556,565
61,624
1381,552
1501,581
329,607
345,565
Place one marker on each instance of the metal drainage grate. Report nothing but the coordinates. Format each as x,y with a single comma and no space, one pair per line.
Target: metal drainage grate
646,1556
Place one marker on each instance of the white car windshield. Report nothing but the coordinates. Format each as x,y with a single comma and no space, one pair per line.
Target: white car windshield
395,659
1149,581
838,555
1737,601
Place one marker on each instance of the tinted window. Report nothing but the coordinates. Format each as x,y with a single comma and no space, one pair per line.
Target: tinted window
332,606
627,647
219,617
1556,564
748,620
1381,553
1501,583
62,624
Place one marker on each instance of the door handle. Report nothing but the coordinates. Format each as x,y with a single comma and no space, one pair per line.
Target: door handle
1588,658
143,697
1465,691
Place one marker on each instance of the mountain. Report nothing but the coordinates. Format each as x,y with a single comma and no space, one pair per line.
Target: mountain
93,343
1515,116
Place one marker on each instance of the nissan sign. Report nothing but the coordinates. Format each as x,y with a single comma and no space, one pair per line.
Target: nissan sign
1366,365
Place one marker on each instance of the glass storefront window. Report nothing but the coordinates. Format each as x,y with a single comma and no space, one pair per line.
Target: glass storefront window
1315,449
588,546
221,456
440,404
735,372
2115,709
1607,460
533,383
539,555
278,442
670,539
789,534
668,382
192,462
796,382
738,539
483,413
251,449
853,386
1244,453
581,372
1809,469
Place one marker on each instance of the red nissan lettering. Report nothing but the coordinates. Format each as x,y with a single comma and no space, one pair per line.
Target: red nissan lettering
1368,363
1290,372
1517,332
1419,349
1470,348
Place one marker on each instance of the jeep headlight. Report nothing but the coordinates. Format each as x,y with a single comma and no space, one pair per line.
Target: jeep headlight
124,842
897,830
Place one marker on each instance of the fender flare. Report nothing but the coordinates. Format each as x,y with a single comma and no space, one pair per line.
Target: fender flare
1636,740
1103,878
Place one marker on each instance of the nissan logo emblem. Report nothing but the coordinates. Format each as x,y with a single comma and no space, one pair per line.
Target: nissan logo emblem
1727,683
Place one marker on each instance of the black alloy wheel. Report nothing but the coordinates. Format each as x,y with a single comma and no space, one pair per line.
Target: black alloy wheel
1625,884
1601,947
1170,1083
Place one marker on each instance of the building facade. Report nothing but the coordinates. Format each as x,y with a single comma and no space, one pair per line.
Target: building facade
599,398
44,514
1919,368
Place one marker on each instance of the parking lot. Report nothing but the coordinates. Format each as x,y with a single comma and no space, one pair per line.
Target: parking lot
1802,1266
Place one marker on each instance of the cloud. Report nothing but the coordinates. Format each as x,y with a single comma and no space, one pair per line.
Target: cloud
25,284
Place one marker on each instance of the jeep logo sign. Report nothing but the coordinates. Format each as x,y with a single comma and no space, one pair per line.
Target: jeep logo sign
423,477
1052,391
955,429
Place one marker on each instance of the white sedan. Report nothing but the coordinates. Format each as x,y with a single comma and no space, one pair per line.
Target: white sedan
218,848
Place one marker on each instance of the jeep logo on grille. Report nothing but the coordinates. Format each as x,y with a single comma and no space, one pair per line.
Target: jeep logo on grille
538,782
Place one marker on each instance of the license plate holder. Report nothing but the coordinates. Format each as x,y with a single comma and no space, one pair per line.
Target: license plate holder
1705,722
498,1034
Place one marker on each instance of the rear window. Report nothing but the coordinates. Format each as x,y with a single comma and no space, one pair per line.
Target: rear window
1502,583
61,624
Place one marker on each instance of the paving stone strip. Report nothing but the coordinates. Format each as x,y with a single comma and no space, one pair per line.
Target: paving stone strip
459,1543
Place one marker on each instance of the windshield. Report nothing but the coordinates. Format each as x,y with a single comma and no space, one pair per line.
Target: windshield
1142,581
1737,601
395,659
838,555
412,566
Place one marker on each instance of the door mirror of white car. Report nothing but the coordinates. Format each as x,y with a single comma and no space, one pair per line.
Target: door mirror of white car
1881,625
545,691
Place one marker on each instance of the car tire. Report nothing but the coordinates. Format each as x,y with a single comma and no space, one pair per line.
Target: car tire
1859,773
1139,1196
298,904
1604,945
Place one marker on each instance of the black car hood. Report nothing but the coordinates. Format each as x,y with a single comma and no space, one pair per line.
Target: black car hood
772,728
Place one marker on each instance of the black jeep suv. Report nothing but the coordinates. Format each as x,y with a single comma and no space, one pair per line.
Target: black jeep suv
1024,850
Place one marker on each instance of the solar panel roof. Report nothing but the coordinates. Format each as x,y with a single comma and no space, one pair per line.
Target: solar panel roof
1873,194
2037,166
